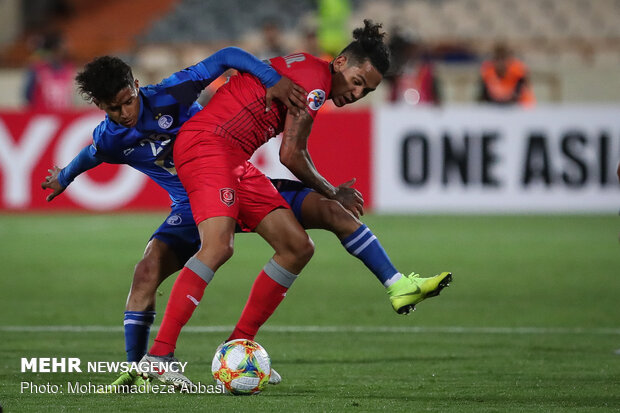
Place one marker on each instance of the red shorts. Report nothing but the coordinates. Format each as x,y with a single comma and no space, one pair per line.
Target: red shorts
221,182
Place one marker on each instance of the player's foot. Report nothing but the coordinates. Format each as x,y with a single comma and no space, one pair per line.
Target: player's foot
411,289
159,367
126,379
275,377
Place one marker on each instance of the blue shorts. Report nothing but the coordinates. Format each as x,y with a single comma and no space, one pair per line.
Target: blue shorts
294,193
180,233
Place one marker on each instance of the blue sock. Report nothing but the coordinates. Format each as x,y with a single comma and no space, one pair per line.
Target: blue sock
364,245
137,329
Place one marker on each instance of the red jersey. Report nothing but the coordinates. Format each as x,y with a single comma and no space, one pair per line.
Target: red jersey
237,111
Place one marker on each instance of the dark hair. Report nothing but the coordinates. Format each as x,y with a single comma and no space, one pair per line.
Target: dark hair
369,45
103,78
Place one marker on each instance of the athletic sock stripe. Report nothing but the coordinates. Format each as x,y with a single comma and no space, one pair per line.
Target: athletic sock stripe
354,240
364,245
390,280
142,319
138,322
200,269
279,274
360,242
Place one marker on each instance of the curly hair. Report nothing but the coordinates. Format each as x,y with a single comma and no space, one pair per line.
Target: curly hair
369,45
103,78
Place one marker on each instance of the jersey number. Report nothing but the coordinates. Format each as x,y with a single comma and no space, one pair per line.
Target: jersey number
297,57
162,154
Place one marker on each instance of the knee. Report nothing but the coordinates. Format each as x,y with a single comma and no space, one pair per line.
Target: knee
337,219
303,248
215,254
225,252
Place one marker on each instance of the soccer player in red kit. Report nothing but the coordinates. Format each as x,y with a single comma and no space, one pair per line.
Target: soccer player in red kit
211,155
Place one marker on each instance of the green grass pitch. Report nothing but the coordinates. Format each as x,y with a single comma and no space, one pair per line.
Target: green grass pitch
531,322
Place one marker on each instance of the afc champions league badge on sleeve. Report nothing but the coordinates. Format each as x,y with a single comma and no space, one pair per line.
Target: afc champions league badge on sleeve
227,196
315,99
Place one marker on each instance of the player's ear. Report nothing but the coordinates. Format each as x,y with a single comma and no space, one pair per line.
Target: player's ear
136,83
340,63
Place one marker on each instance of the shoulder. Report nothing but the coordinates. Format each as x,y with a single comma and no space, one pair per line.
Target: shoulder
306,70
176,89
106,134
151,91
300,61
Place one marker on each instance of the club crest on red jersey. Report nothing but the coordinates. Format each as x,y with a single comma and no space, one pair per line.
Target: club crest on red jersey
315,99
227,196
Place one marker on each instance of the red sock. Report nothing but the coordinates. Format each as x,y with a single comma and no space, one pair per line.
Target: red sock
179,310
265,296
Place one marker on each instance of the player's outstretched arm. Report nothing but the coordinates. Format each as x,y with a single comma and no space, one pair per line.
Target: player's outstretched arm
58,179
278,87
295,156
187,84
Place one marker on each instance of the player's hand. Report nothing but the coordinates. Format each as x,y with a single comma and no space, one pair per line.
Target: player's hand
350,198
289,93
51,182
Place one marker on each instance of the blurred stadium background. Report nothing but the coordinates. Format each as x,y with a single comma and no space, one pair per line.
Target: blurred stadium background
424,132
571,46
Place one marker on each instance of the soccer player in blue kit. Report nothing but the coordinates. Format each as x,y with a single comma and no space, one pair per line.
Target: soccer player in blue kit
139,130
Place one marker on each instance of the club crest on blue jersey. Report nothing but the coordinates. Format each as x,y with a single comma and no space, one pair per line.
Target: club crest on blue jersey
174,220
165,121
315,99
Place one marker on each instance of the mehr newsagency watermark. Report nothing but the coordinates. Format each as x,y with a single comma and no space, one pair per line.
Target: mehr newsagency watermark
75,365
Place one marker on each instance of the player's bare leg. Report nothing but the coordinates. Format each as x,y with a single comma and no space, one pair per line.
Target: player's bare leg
217,236
157,264
293,249
319,212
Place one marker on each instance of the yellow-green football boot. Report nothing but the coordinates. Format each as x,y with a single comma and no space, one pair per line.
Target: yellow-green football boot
126,379
411,289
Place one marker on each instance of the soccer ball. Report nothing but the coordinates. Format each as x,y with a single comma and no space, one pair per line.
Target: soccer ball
241,366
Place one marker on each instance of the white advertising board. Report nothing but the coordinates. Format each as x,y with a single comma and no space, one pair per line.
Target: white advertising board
493,159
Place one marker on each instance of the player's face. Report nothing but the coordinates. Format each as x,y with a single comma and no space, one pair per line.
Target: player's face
352,82
124,109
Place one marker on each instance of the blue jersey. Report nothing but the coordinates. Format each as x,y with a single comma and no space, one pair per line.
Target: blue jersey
164,108
147,146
